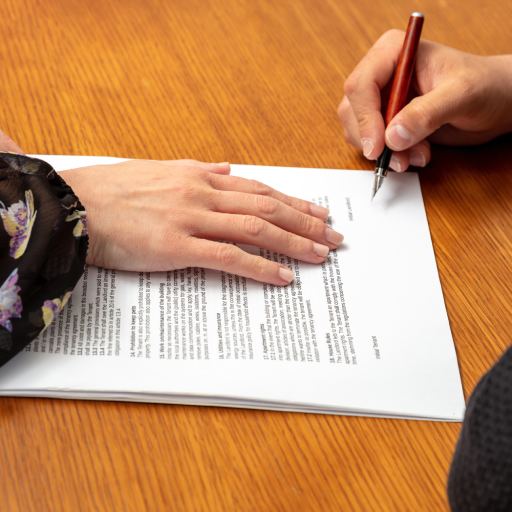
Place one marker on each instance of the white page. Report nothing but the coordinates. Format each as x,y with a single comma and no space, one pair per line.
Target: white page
387,350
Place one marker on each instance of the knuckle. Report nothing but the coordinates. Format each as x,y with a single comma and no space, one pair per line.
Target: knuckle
253,226
259,188
309,225
356,110
209,179
213,180
226,255
391,40
350,85
422,112
393,35
266,204
292,242
300,205
344,110
424,147
318,227
211,198
260,268
187,191
364,118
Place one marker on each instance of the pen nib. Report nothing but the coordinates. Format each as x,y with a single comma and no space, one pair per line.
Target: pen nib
381,170
377,182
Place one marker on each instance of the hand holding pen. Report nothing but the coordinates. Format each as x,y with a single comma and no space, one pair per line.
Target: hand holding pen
459,99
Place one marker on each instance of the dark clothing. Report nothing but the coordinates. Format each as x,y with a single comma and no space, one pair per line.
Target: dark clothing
43,245
481,473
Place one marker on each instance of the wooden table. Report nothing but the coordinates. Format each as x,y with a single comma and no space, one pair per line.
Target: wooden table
249,82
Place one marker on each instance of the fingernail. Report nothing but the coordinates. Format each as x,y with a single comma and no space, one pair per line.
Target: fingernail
318,211
395,164
333,237
320,250
368,146
399,137
417,159
286,274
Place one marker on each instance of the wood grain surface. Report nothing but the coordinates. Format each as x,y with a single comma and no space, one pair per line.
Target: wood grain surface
247,81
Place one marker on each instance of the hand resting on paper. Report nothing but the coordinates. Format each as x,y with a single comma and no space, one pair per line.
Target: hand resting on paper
460,99
142,215
146,215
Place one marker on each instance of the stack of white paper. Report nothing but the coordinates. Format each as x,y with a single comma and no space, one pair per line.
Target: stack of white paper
365,333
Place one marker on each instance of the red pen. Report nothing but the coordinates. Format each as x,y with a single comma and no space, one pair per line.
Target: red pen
399,89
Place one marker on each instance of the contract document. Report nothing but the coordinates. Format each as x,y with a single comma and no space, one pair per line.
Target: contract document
365,333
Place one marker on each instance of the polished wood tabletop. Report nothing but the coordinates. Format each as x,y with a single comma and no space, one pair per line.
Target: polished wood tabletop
247,81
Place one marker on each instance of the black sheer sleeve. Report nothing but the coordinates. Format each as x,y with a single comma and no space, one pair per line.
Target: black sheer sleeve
43,245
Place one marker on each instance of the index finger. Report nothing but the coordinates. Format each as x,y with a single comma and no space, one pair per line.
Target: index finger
363,89
238,184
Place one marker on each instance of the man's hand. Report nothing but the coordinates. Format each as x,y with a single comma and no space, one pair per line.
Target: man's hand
459,99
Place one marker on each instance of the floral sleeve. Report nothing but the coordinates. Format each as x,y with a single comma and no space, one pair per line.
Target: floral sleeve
43,245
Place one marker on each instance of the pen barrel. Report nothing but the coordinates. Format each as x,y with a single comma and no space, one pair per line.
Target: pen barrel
405,67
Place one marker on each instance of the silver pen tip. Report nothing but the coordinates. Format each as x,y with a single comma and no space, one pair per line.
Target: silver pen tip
377,182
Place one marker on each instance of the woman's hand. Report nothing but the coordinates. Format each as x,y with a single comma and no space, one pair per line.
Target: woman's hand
460,99
147,215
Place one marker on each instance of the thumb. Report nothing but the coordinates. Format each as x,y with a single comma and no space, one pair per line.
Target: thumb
423,116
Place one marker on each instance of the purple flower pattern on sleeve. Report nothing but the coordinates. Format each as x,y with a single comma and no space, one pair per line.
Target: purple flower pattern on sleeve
80,228
10,301
18,220
43,246
51,308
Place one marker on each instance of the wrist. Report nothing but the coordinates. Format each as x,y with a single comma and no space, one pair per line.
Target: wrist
81,186
501,71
